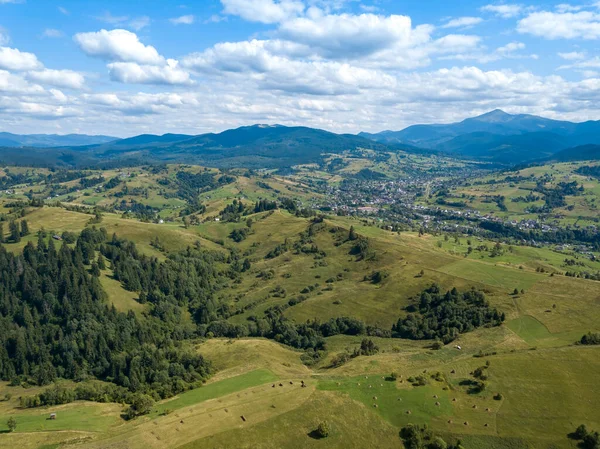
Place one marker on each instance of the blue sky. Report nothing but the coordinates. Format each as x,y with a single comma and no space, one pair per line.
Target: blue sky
123,68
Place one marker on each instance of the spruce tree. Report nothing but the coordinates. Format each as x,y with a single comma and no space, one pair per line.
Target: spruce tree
24,228
15,232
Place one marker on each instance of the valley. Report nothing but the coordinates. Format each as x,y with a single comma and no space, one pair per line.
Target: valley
312,274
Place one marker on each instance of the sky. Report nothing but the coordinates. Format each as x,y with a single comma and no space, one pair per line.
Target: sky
123,68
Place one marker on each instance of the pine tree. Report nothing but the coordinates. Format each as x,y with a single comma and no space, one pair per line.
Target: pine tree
101,263
15,232
24,228
352,234
1,232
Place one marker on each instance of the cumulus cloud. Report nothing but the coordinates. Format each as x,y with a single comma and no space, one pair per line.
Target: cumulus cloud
11,83
59,78
557,25
13,59
118,45
462,22
265,11
183,20
503,10
131,72
346,35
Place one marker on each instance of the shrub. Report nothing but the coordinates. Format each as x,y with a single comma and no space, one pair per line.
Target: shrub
322,430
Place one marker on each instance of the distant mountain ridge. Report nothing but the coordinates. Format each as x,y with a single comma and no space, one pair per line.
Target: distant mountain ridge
497,136
256,146
51,140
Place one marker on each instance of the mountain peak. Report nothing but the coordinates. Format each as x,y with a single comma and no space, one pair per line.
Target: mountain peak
497,115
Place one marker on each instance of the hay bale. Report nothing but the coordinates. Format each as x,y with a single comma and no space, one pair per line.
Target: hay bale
226,411
487,409
449,421
466,423
243,418
181,422
370,386
291,383
437,404
358,384
485,425
474,406
453,399
375,398
435,396
375,405
408,412
281,385
273,386
453,371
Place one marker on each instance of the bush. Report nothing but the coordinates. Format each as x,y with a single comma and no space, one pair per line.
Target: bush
322,430
11,424
590,339
141,405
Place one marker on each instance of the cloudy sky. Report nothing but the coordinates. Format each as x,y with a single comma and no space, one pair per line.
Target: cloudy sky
123,68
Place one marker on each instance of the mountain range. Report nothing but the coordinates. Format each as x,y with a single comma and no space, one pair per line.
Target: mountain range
492,137
496,136
51,140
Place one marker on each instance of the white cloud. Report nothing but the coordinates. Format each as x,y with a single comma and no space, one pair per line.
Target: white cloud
131,72
59,78
64,11
137,23
462,22
11,1
13,59
216,18
183,20
551,25
107,17
265,11
118,45
503,10
345,35
572,56
566,7
15,84
52,33
58,95
4,37
508,51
